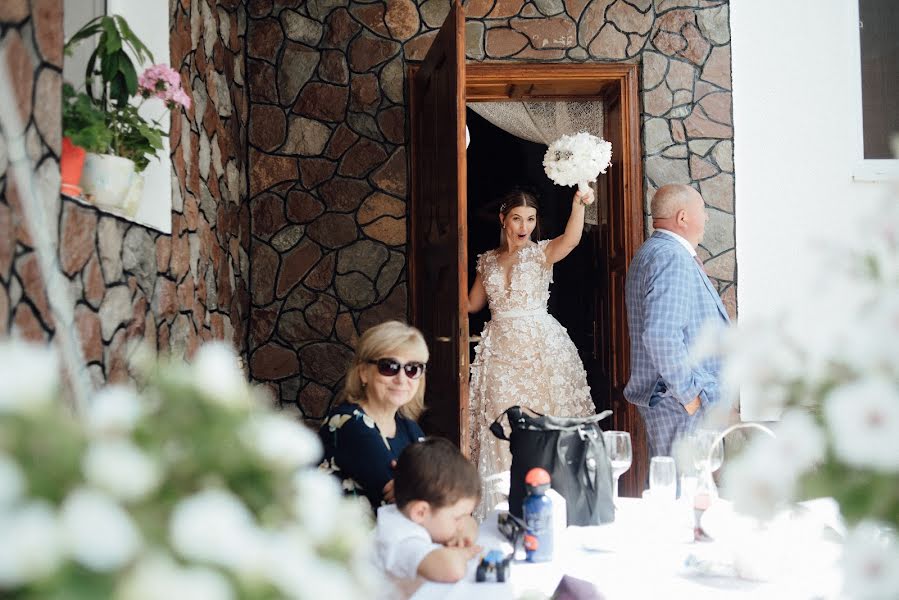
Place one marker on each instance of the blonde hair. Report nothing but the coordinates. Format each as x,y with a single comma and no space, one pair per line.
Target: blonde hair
381,341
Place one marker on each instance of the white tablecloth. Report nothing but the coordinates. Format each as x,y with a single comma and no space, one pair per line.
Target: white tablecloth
639,556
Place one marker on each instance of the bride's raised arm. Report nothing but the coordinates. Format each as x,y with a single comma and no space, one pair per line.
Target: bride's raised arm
560,247
477,297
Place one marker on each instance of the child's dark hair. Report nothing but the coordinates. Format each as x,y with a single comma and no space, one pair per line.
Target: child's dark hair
435,471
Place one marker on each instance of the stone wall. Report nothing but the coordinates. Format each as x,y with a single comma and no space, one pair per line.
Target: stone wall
127,281
328,161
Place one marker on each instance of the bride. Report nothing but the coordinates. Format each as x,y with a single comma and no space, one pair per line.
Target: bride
525,356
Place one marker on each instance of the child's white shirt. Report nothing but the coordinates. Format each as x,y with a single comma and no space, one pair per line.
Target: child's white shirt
400,543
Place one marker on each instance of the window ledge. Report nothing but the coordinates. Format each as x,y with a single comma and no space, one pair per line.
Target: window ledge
116,213
876,171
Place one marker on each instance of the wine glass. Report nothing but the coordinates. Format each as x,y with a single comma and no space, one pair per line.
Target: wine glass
663,478
618,447
708,451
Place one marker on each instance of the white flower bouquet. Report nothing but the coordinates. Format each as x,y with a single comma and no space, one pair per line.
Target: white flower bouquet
577,159
190,489
831,367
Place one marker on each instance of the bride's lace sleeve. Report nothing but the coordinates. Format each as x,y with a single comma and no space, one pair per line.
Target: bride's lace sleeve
541,245
481,262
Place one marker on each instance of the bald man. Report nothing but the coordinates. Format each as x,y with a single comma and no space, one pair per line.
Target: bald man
669,301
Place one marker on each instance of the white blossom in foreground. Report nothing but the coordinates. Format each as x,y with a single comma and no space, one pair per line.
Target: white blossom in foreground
800,443
282,441
871,563
98,532
30,547
12,481
159,578
330,581
114,410
29,377
120,468
217,375
757,481
864,422
214,526
316,503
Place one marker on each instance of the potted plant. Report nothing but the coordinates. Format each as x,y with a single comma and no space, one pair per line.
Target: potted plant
114,161
84,130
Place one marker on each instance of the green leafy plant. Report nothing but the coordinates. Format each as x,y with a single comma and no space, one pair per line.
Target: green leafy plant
110,62
83,121
111,81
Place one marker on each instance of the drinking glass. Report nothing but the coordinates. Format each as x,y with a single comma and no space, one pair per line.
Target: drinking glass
618,446
703,440
663,478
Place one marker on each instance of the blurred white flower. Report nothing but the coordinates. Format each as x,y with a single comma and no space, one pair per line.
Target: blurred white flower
217,375
30,544
159,578
757,482
800,443
98,532
120,468
115,410
871,563
330,580
316,502
282,441
758,355
12,480
29,376
214,526
863,417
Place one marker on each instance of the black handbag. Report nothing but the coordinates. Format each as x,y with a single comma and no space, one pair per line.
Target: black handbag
572,450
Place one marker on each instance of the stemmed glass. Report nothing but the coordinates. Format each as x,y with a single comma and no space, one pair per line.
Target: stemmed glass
618,447
708,455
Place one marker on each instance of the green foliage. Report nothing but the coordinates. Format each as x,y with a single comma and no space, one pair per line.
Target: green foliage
102,119
110,62
84,122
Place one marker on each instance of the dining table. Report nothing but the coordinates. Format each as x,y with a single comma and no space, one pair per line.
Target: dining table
651,551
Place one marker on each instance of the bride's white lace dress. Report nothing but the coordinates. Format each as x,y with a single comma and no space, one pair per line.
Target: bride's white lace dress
525,357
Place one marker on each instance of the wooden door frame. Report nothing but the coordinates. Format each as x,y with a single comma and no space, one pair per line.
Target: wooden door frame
485,82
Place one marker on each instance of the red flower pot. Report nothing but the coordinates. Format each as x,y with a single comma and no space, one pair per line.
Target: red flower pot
71,163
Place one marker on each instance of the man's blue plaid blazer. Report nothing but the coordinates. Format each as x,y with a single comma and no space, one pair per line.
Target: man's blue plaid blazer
669,301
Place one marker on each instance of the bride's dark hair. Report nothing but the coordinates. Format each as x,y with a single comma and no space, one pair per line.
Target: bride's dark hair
514,199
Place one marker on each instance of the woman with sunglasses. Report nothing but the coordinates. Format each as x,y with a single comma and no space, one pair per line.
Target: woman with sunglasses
375,418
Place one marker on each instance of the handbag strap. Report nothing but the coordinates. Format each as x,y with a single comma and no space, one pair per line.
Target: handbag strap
515,413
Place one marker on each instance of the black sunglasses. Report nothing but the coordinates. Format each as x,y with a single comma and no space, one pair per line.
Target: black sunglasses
389,367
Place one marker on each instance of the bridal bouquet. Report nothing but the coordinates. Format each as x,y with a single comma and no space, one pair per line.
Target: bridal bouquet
191,488
831,366
577,159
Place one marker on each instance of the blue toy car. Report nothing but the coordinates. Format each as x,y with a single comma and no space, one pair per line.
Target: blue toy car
494,562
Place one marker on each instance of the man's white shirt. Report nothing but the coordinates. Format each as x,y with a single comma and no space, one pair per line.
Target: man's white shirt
680,240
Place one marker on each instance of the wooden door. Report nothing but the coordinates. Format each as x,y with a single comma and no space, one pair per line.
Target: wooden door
438,261
619,240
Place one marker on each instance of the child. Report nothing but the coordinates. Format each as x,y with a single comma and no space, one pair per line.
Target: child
430,532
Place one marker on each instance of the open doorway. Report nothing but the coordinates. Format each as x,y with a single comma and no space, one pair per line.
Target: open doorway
438,250
498,162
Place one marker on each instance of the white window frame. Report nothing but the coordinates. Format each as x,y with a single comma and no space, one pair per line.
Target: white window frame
864,169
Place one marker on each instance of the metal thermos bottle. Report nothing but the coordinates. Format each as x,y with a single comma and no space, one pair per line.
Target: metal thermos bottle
538,517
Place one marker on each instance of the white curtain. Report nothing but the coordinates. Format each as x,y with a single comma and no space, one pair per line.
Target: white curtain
543,122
